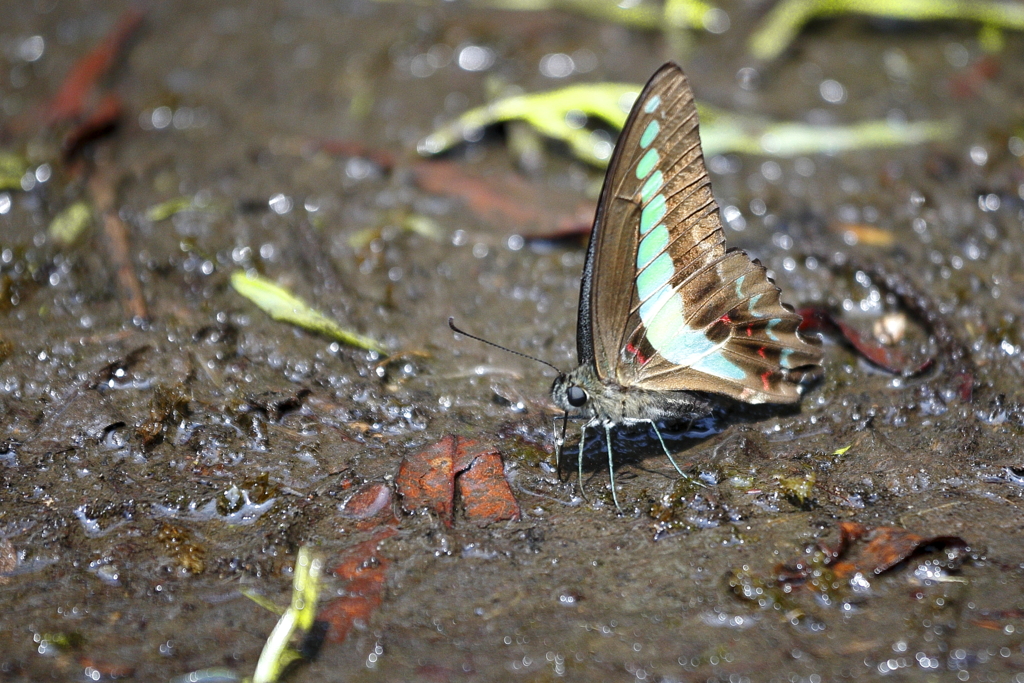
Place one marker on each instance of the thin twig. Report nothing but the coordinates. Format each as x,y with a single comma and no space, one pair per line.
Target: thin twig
104,196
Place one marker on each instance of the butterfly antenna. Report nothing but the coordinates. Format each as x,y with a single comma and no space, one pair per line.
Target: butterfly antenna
451,324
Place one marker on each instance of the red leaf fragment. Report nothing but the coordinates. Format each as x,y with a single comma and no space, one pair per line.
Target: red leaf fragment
886,357
466,451
363,558
102,120
486,495
964,383
365,570
100,670
995,620
429,480
535,211
971,81
884,547
480,195
568,231
367,501
351,148
507,199
70,102
987,624
343,613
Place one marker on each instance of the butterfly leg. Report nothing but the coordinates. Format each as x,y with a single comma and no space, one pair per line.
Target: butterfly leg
579,459
559,443
611,465
665,448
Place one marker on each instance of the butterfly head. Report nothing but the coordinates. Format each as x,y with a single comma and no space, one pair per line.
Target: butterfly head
577,392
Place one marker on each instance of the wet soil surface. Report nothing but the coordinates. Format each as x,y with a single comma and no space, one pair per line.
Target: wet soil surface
150,470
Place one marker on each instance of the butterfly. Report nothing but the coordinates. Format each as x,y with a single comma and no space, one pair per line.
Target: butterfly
668,316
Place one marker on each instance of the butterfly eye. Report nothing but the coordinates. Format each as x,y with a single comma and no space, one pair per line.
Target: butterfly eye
576,396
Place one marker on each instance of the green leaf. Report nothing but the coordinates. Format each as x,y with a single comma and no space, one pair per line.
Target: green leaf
165,210
673,14
991,38
306,587
12,168
798,488
558,114
424,226
687,13
722,132
70,223
788,17
280,304
277,652
262,601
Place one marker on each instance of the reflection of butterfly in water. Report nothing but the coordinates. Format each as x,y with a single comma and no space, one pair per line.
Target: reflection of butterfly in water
665,309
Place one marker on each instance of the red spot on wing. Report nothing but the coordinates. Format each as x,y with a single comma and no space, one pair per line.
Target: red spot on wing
726,319
765,376
750,330
760,352
641,358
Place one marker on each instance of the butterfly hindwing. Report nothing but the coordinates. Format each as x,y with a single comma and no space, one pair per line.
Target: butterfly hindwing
664,305
742,341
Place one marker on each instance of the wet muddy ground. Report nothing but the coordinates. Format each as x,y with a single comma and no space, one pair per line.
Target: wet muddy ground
150,470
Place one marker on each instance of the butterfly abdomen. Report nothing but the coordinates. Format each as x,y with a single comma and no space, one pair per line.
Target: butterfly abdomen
611,403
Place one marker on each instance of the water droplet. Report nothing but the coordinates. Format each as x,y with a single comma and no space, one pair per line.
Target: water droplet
979,155
557,65
31,49
771,171
716,20
832,91
280,204
161,117
475,58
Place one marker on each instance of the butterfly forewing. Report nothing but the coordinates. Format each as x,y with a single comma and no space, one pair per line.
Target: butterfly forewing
608,291
663,305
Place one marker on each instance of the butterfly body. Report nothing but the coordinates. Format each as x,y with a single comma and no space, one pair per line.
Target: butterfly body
668,316
610,403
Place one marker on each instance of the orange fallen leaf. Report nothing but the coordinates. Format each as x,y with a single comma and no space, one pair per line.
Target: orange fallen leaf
352,148
987,624
883,548
346,612
70,102
429,479
886,547
101,120
363,558
96,669
971,81
367,501
890,358
862,233
486,495
364,568
506,199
